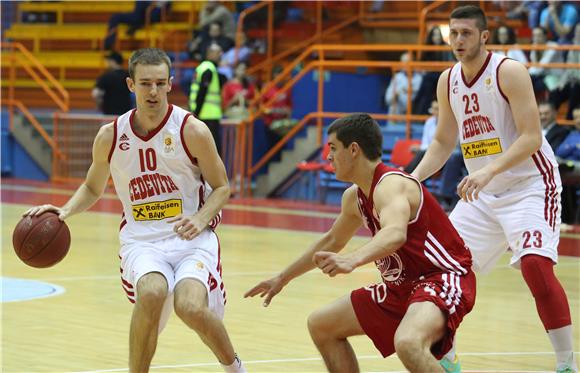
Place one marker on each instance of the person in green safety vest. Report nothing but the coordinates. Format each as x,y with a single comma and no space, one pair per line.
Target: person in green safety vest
205,96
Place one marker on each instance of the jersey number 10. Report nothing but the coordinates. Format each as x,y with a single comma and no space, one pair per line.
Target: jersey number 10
147,160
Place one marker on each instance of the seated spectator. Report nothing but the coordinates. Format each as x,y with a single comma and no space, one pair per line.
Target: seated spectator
452,171
278,115
554,133
214,12
559,19
569,87
237,94
111,92
198,46
527,9
398,89
568,154
428,134
228,60
135,19
543,79
505,35
428,84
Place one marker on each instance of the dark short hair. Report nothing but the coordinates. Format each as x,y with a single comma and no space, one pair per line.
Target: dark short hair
115,56
362,129
148,56
471,12
551,104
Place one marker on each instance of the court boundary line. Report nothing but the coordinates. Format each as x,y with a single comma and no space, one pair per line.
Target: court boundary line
363,357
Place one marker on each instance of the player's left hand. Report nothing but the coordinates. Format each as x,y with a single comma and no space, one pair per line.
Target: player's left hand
469,188
332,264
187,227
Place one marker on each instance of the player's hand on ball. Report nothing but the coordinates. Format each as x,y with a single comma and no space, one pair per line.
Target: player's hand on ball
39,210
268,289
332,264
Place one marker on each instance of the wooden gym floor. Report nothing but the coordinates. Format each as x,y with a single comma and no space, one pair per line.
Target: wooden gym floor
83,326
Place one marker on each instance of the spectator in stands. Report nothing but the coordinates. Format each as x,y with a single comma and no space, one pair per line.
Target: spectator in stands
452,171
569,87
277,115
398,89
427,137
237,94
559,18
111,92
554,133
543,79
529,9
428,85
199,45
228,61
568,154
135,19
205,100
214,12
505,35
570,147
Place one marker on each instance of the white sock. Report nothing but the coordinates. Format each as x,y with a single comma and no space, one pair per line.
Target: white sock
561,339
236,367
450,355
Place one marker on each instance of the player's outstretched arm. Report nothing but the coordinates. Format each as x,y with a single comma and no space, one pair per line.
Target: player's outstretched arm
94,185
392,202
200,144
516,84
445,138
345,226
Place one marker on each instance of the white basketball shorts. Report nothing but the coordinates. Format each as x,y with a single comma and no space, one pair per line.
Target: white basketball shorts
176,259
525,218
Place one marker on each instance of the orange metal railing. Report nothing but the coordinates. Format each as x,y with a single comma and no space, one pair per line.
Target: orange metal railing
313,59
37,71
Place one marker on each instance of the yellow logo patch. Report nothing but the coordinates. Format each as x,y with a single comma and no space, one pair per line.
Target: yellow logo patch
481,148
158,210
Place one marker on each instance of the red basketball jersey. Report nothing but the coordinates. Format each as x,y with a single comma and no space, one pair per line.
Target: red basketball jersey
433,245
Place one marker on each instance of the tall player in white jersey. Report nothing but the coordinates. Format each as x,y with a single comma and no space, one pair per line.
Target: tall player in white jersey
172,184
511,197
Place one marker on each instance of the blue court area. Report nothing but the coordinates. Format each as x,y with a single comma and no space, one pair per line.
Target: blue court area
17,290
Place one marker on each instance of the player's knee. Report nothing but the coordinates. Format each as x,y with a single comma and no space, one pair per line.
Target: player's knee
188,309
317,325
538,272
152,290
406,344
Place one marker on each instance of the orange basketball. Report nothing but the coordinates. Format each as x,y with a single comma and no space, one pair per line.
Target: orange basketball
41,241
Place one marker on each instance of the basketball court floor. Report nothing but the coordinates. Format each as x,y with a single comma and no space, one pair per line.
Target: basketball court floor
74,317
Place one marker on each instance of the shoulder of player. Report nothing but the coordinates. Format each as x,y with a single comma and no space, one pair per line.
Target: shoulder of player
105,138
508,67
394,184
512,74
195,133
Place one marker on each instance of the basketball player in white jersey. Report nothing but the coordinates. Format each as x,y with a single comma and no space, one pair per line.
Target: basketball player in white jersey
172,184
511,197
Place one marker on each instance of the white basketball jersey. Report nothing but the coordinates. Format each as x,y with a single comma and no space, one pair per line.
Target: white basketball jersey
487,128
156,177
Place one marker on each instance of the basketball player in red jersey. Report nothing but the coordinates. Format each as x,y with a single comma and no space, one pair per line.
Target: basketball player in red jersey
511,197
172,184
427,284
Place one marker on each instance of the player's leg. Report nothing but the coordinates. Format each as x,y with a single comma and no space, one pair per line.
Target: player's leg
191,305
483,235
147,280
533,231
422,326
329,328
152,292
199,296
